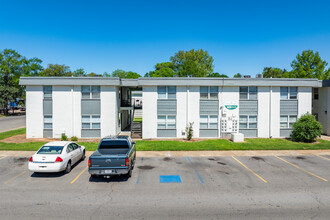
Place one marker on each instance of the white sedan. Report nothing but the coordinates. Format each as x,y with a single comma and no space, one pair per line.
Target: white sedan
56,156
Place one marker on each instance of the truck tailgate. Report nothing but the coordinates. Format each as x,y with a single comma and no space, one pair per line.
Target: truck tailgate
108,161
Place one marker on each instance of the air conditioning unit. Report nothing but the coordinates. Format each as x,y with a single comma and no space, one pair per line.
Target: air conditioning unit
259,76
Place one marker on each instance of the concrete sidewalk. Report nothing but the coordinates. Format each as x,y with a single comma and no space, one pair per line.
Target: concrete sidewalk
196,153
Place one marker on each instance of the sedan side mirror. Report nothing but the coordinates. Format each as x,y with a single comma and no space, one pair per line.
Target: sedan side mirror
133,142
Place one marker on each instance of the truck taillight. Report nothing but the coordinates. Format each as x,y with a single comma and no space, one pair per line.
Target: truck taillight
127,162
31,159
89,162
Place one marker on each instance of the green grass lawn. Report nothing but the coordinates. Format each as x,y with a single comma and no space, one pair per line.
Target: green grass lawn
218,144
8,134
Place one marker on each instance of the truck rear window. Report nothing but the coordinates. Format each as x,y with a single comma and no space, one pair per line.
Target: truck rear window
113,144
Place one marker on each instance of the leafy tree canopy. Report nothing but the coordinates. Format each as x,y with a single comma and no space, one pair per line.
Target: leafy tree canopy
56,70
217,75
197,63
79,72
125,75
12,67
165,69
272,72
309,65
237,75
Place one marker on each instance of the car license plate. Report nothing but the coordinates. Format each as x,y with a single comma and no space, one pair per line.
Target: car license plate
108,171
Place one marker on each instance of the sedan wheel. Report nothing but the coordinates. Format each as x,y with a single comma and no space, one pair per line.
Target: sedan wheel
68,167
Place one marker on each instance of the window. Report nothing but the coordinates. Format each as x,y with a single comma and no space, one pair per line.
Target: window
209,92
69,148
287,121
166,92
289,93
90,92
48,92
247,121
316,93
166,122
248,92
75,146
48,122
208,122
91,122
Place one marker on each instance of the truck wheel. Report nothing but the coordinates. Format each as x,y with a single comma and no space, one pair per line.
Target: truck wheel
94,176
129,174
68,167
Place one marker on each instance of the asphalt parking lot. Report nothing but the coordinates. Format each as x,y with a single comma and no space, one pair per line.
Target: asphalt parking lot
227,187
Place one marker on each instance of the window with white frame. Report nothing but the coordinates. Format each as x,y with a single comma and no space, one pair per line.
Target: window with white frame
48,122
90,92
315,93
90,121
248,121
166,122
48,92
289,93
248,92
208,122
209,92
287,121
166,92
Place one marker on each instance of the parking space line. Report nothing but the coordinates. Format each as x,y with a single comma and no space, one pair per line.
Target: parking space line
296,166
199,176
12,179
79,175
3,157
314,154
250,170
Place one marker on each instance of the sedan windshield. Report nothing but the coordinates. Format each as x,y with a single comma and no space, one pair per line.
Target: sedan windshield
50,150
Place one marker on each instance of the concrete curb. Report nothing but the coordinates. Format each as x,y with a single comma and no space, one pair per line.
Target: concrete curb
196,153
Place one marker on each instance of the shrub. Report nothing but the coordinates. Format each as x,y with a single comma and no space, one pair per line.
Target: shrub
74,138
190,131
306,129
64,137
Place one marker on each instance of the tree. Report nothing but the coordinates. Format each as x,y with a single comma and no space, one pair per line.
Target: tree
106,74
310,65
91,74
12,67
56,70
125,75
79,72
197,63
217,75
119,73
237,75
132,75
272,72
165,69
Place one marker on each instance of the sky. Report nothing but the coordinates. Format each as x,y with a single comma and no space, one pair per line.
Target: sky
104,35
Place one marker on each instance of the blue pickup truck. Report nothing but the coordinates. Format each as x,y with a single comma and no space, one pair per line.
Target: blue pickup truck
114,156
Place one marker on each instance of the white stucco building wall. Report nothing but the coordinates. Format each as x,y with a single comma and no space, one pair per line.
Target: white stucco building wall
34,112
149,112
63,100
109,110
263,111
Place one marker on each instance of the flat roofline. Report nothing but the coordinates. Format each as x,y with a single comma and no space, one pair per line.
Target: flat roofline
168,81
